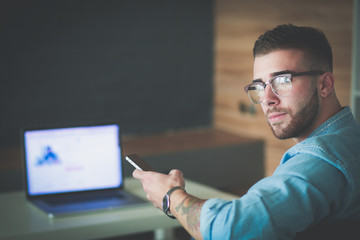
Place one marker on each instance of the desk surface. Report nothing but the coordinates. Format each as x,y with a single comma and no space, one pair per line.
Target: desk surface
21,220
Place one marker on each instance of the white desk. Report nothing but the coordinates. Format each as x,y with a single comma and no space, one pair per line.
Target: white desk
21,220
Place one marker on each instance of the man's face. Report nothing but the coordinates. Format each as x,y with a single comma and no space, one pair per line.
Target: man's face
291,116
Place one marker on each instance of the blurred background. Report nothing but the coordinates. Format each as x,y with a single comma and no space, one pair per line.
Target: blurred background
154,66
146,64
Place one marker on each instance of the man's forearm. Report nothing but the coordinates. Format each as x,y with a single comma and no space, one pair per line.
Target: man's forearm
186,209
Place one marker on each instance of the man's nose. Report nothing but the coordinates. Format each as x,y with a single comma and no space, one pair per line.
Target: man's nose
270,98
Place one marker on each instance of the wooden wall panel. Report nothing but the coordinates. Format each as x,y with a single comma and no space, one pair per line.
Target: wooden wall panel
238,23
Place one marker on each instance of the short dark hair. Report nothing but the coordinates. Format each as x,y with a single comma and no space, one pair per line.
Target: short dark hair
311,41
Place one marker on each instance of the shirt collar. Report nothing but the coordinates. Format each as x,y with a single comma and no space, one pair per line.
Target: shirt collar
337,121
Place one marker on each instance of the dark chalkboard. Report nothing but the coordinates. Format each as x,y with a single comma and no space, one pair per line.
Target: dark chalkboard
146,64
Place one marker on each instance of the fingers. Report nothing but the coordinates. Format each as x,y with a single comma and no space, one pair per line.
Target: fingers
138,174
157,184
150,180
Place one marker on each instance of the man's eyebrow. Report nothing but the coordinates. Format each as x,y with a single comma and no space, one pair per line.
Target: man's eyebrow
273,75
280,72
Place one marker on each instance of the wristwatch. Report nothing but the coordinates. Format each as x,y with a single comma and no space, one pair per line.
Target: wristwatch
166,201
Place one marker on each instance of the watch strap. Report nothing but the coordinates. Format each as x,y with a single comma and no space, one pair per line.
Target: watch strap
166,201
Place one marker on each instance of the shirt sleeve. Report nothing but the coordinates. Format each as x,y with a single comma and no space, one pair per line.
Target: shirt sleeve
301,192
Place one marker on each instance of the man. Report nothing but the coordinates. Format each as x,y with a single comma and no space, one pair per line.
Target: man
317,181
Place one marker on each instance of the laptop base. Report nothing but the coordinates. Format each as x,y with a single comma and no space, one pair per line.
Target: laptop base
56,206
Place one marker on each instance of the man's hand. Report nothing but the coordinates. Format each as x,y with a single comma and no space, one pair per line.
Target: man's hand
185,207
156,184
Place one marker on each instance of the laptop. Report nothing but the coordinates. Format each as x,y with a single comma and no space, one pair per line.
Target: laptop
75,169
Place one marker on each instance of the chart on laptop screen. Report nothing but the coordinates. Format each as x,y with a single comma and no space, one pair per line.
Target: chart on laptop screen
73,159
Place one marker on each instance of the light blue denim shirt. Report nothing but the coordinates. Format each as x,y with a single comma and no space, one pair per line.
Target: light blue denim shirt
318,180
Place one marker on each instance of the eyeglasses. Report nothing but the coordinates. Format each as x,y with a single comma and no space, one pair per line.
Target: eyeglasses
280,84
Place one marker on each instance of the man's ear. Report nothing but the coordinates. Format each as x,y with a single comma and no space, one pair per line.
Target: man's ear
327,82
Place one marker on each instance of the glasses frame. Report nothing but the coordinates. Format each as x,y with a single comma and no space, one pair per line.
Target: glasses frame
288,74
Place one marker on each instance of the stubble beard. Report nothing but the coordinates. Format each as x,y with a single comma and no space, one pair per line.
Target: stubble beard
300,121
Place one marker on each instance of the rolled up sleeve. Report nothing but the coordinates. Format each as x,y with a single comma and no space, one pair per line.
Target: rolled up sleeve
222,219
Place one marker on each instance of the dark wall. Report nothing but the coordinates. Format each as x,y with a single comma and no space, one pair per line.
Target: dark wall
147,64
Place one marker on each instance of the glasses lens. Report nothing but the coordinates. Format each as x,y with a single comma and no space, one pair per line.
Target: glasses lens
281,85
256,93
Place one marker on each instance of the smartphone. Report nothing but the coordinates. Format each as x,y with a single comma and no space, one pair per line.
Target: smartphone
138,162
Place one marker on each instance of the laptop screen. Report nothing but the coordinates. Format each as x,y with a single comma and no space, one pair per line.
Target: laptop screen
72,159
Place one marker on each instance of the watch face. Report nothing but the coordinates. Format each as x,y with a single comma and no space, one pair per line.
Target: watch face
165,204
